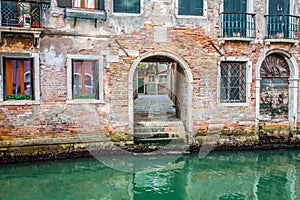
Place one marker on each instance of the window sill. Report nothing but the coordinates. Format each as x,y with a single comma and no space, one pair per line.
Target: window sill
19,102
85,101
127,14
191,17
280,40
234,104
234,39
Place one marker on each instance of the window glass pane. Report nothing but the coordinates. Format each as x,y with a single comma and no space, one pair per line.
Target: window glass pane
85,79
18,79
90,4
77,3
126,6
233,82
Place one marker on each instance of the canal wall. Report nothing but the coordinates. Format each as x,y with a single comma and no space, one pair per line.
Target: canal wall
248,110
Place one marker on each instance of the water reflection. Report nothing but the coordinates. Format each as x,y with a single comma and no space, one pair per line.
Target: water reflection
223,176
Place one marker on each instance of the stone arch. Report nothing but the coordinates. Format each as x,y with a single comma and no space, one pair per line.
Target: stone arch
185,67
291,70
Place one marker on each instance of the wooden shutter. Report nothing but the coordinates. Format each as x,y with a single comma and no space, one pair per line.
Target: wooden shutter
183,7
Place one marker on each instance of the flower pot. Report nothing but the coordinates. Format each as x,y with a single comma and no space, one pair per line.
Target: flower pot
35,24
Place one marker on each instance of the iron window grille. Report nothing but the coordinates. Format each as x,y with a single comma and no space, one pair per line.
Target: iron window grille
233,82
22,13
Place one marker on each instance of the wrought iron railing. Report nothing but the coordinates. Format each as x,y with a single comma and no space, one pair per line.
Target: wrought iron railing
282,27
21,14
237,25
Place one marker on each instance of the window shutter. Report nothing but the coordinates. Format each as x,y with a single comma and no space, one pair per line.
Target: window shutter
64,3
196,7
183,7
100,5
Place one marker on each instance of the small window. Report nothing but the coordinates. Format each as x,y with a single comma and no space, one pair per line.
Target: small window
85,4
127,6
85,79
233,82
190,7
151,79
163,78
18,79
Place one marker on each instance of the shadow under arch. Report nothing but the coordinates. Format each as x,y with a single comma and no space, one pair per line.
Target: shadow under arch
292,89
184,66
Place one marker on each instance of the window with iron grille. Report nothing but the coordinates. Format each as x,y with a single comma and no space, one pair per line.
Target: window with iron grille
233,82
190,7
127,6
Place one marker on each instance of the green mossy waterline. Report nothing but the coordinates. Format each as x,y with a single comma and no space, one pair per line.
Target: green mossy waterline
18,97
226,133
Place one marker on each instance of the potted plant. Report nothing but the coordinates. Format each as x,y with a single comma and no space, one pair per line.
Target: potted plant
34,23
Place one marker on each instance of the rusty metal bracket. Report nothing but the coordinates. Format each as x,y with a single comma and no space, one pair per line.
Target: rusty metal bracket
216,48
122,48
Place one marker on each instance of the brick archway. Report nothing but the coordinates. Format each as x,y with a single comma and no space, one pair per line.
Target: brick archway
189,81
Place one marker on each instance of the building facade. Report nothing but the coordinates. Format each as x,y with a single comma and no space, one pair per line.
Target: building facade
69,68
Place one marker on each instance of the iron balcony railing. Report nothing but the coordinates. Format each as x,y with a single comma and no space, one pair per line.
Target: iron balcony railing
282,27
237,25
22,13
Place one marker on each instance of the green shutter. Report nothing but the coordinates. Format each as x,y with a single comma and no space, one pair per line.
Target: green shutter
64,3
190,7
183,7
100,5
235,6
278,7
196,7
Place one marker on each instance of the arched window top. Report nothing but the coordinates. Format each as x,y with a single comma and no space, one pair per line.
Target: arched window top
274,65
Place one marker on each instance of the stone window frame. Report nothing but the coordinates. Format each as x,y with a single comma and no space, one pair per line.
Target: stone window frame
98,59
36,82
127,14
192,16
248,80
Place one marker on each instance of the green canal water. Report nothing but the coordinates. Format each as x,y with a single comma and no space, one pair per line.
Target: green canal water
220,175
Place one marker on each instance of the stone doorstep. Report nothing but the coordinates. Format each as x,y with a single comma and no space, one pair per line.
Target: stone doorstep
53,141
159,123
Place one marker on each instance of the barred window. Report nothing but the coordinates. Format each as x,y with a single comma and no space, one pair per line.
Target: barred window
233,82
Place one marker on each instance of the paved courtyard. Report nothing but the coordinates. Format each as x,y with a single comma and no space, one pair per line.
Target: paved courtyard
154,107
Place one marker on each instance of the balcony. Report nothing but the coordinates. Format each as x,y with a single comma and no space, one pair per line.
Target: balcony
25,14
237,26
282,27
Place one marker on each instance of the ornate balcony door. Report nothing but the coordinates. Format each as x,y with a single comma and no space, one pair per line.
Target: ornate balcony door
278,21
235,22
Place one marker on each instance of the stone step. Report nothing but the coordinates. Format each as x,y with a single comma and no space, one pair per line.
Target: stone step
151,135
177,123
157,129
171,141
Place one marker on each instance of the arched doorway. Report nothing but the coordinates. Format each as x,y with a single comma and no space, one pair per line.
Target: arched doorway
276,89
179,91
